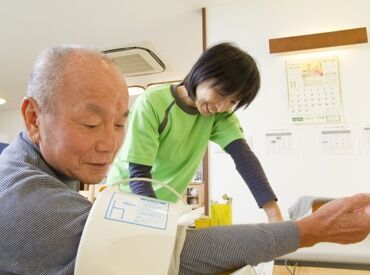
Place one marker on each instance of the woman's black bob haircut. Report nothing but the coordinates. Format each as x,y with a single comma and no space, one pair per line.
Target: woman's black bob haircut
230,71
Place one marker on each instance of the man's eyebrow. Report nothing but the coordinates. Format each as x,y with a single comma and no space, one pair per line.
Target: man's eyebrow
95,109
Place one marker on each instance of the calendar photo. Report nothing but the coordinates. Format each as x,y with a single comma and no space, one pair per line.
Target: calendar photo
313,91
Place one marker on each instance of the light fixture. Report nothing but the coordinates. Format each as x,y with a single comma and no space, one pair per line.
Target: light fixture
174,82
2,101
135,90
134,61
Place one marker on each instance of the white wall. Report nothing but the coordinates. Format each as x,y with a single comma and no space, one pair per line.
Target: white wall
308,171
11,123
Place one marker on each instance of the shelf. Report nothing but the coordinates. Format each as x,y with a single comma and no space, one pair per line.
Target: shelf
197,182
318,40
194,200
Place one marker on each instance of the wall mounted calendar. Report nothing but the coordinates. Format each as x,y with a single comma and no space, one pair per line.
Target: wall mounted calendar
314,94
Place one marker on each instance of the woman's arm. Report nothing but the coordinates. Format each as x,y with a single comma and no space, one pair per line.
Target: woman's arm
141,187
252,172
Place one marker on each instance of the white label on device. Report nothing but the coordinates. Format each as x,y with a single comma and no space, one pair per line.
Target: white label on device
138,210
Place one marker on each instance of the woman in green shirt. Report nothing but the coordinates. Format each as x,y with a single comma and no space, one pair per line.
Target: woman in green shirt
170,127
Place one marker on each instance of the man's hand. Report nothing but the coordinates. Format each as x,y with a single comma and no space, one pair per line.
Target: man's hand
343,221
272,211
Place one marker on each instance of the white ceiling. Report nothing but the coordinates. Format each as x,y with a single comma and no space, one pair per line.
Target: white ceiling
172,27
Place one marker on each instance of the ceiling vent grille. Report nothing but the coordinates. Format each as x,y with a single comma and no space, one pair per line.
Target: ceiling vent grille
134,61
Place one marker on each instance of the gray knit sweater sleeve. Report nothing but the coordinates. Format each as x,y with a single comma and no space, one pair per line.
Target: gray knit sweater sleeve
218,249
41,216
42,219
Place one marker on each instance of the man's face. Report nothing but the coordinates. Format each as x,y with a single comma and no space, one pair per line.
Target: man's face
81,137
209,101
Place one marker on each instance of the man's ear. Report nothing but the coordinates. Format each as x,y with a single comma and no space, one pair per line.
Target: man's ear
31,111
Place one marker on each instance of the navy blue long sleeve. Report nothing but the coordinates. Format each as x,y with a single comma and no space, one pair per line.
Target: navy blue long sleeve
141,187
251,171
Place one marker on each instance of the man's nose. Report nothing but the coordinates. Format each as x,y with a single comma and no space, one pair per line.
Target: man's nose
108,141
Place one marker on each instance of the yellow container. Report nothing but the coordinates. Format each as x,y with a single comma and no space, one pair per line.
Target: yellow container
221,214
202,222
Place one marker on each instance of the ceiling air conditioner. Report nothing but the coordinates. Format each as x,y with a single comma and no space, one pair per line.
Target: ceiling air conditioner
134,61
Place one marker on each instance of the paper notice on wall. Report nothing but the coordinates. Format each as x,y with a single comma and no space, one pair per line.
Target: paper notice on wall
279,141
337,140
365,139
314,94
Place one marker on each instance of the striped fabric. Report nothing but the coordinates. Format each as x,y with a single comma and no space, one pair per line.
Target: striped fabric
216,249
41,216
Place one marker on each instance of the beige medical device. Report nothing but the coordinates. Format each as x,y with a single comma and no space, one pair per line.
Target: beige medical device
129,234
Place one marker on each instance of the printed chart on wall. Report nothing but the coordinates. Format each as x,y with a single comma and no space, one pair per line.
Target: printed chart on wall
337,140
279,141
366,139
314,94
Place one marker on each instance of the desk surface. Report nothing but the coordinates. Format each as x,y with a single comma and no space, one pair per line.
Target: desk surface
358,253
307,270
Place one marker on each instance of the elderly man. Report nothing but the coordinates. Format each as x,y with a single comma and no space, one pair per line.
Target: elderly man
75,111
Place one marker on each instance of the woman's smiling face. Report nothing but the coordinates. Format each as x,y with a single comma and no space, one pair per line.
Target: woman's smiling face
209,101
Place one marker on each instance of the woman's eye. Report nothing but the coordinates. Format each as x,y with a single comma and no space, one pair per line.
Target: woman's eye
120,126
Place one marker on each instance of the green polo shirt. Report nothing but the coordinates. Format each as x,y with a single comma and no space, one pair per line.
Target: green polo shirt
171,137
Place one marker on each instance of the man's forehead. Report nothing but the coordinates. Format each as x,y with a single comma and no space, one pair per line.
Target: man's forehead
85,65
94,82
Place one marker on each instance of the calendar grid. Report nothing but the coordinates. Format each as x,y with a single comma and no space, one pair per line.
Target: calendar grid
314,94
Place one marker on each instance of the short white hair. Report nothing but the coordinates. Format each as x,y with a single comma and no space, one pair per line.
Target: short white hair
46,74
